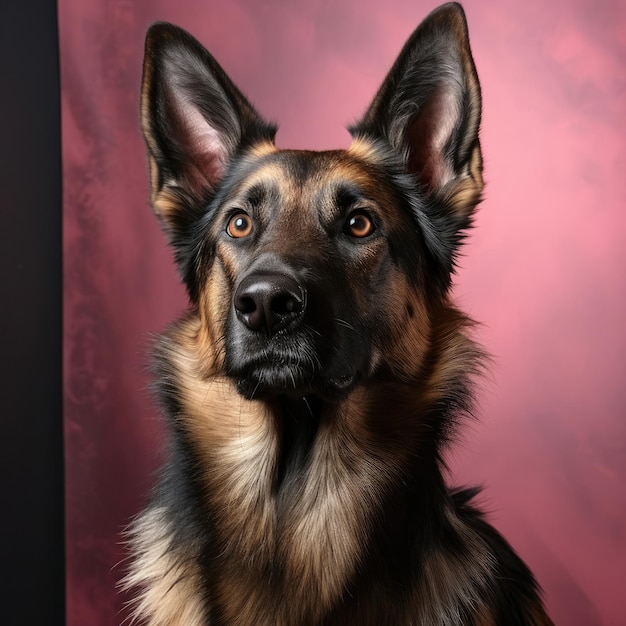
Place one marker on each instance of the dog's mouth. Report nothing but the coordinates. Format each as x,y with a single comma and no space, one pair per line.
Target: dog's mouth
273,377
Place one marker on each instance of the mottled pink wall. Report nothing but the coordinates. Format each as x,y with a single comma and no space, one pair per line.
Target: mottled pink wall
544,270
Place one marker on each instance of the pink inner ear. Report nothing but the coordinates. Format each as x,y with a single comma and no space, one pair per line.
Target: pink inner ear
428,133
204,148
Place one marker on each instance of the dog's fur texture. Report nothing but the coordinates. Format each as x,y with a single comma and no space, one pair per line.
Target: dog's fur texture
321,367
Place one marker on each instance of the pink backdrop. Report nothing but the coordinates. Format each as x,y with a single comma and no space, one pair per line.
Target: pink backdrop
544,270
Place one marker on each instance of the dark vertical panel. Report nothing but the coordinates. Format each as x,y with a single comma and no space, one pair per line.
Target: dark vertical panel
31,452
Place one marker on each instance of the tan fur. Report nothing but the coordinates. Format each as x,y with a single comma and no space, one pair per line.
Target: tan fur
319,535
321,502
168,582
465,193
451,583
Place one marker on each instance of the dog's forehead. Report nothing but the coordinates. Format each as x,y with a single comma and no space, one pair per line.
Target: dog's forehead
298,177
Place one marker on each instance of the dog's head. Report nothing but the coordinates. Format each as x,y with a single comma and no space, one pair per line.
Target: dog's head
314,271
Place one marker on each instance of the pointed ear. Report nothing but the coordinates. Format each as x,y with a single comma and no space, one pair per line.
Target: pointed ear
428,110
194,120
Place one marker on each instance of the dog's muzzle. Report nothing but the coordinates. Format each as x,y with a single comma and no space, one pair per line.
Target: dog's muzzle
283,339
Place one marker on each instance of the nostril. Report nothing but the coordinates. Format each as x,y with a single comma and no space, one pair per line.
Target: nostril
245,304
285,303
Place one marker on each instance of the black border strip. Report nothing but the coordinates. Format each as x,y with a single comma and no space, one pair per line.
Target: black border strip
31,416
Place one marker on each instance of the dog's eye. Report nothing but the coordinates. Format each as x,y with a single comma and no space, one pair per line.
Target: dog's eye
239,225
359,225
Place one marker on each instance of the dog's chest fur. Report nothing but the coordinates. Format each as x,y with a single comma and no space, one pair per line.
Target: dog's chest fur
282,541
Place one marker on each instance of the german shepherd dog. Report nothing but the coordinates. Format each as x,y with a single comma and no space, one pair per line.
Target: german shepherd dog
322,366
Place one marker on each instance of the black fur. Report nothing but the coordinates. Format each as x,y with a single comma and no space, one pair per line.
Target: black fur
321,368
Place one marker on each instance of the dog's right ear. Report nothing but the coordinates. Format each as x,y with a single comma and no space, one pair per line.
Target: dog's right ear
194,120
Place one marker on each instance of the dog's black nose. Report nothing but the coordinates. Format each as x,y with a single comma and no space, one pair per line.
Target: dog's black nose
268,302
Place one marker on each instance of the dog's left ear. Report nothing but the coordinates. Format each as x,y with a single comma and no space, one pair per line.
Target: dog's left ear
428,109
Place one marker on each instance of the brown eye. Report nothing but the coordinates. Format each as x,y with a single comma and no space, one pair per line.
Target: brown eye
239,225
359,225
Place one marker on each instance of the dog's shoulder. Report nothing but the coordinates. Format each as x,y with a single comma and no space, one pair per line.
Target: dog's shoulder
512,591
